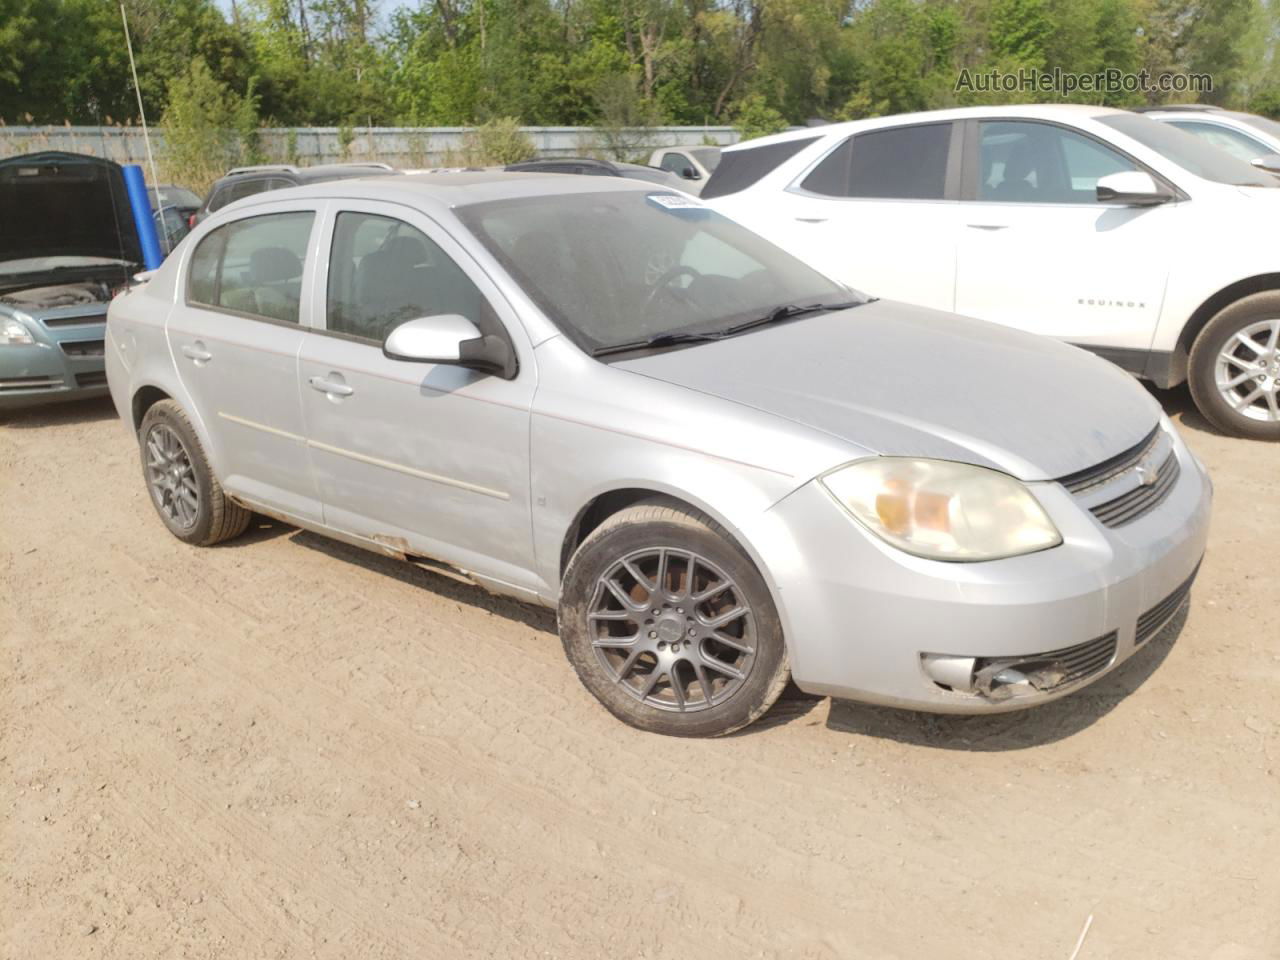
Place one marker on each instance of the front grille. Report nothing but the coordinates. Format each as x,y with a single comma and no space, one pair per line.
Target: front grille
1149,623
1140,501
96,379
28,383
79,320
1112,467
83,348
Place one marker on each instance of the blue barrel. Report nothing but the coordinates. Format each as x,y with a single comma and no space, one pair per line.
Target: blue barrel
143,218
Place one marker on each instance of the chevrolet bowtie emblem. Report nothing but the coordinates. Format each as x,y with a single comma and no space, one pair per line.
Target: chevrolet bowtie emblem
1147,473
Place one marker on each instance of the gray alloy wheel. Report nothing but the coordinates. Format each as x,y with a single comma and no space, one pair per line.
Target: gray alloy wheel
669,623
170,478
1234,368
672,629
183,489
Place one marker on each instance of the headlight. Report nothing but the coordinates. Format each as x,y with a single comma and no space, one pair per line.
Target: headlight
13,333
943,510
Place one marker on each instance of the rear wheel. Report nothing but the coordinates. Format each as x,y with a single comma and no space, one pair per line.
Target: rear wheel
1235,368
670,625
183,489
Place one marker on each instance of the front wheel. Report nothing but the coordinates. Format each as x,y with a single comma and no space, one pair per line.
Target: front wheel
1235,368
670,625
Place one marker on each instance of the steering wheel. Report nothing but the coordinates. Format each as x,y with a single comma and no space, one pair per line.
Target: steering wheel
663,283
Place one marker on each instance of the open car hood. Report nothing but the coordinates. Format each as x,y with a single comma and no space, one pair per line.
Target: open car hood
64,205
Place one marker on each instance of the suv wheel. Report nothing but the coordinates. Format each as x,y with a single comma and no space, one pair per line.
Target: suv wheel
670,625
183,489
1235,368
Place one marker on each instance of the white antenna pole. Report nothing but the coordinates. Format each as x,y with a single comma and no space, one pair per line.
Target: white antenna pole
146,137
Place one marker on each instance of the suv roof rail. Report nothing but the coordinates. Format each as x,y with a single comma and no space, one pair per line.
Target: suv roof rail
263,168
362,163
1179,107
547,161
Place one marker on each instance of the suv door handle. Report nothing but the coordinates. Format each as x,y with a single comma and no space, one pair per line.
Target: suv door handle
329,387
197,352
811,219
988,226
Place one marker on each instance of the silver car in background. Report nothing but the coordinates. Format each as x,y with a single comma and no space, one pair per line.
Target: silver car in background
720,466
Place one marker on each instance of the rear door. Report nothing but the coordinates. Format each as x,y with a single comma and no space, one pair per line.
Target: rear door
421,458
236,344
879,212
1040,253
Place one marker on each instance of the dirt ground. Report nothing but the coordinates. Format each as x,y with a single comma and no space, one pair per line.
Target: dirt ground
284,747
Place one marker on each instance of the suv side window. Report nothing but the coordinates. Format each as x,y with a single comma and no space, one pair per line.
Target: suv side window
900,163
1026,162
382,272
1224,138
253,266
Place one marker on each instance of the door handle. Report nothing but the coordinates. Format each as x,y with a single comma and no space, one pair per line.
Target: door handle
197,352
329,387
988,226
811,219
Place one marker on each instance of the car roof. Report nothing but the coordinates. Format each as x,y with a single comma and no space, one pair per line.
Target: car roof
1031,111
454,189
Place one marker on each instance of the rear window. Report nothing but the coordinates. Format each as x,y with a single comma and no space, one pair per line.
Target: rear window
903,163
739,169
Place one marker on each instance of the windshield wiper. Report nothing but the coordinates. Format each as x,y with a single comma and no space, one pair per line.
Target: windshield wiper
788,311
658,340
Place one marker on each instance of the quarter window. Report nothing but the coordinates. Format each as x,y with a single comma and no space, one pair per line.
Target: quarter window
383,272
902,163
253,266
1024,162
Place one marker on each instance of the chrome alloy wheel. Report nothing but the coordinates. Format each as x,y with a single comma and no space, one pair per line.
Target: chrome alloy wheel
1247,371
672,629
170,477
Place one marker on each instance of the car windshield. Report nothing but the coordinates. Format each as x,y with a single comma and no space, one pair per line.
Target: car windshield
1265,124
1189,151
173,197
617,267
709,157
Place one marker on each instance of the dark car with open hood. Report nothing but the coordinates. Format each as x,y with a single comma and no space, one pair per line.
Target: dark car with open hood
67,244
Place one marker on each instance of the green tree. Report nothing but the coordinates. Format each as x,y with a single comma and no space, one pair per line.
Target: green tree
208,127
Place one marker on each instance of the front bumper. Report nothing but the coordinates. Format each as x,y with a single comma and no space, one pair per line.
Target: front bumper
66,364
860,615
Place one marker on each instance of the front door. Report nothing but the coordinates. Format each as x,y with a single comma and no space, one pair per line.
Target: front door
1040,253
236,345
429,459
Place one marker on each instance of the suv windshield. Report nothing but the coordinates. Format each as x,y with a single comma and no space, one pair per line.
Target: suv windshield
1189,151
623,266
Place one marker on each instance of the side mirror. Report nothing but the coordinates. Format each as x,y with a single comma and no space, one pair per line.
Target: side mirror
690,174
452,339
1269,163
1133,188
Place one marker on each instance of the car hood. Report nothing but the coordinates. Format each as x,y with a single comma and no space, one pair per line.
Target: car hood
65,205
901,380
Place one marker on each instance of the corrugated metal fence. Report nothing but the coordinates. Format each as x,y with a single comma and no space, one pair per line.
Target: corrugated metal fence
399,146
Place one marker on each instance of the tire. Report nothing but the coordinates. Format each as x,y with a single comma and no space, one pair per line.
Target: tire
175,471
697,667
1257,319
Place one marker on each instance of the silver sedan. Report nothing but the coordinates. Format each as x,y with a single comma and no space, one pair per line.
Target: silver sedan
721,467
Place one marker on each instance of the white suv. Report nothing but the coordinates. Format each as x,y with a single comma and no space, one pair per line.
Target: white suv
1244,135
1100,227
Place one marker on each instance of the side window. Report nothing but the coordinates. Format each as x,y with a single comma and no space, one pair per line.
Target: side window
901,163
1224,138
221,197
383,272
253,266
675,163
1024,162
